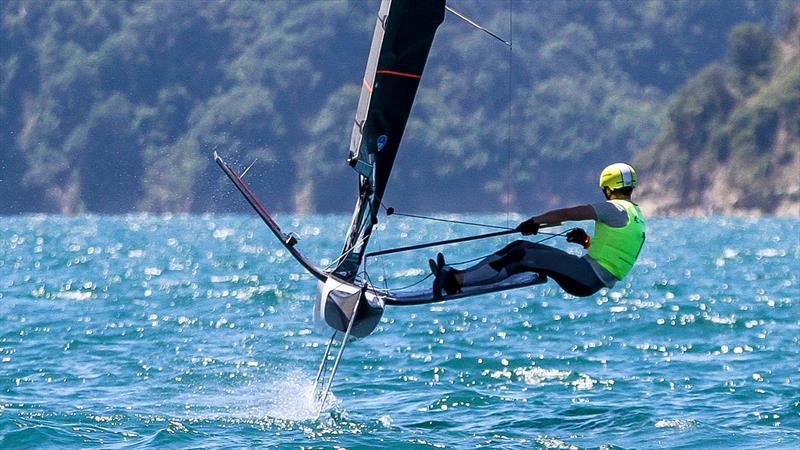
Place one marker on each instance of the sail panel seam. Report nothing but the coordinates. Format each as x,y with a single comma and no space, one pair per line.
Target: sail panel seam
399,74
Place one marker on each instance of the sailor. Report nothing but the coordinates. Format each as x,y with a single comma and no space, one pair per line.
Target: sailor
618,239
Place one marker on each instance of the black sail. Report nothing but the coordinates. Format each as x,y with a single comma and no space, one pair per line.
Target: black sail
400,45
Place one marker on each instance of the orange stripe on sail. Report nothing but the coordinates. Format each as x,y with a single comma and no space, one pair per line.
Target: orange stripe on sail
366,85
400,74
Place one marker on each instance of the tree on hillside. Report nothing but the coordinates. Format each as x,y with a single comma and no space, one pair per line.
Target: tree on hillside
752,52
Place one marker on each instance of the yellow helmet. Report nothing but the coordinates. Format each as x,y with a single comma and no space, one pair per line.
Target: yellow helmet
618,175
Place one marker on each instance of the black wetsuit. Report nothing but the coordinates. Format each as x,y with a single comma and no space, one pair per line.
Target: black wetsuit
573,273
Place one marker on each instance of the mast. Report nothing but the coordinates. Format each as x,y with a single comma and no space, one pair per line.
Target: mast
400,45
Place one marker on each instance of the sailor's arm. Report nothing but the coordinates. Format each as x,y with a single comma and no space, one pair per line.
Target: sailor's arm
557,216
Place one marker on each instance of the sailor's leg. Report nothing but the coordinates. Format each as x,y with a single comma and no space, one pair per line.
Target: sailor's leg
495,267
571,272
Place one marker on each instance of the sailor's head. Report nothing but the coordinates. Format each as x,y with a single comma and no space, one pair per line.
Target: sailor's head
618,179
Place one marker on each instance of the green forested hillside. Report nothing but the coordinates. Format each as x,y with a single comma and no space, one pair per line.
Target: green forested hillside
117,106
731,143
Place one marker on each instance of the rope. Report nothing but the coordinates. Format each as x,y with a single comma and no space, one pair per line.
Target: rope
549,236
412,284
345,254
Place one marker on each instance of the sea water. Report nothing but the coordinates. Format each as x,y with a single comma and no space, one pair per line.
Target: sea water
196,332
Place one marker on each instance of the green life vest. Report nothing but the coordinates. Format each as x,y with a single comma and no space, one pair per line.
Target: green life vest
616,249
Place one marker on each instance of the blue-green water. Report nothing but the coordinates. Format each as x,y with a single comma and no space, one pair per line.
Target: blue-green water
187,332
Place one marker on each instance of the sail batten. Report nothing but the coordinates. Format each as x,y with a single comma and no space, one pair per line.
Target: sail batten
401,42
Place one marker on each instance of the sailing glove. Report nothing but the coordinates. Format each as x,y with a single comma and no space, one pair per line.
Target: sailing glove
579,236
528,227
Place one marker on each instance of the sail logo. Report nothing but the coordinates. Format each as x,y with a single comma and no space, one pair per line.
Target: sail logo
382,139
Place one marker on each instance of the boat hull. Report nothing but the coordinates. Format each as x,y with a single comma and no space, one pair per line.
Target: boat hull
339,303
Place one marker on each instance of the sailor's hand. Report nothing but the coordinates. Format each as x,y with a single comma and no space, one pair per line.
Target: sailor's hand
579,236
528,227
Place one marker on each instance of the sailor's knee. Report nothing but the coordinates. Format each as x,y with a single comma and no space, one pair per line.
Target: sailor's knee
515,251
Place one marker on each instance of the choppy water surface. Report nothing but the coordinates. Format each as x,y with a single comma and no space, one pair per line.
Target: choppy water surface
150,332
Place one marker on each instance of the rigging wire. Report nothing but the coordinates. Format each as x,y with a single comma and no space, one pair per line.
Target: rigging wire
383,268
391,211
549,236
449,241
413,284
248,168
510,109
346,253
476,25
